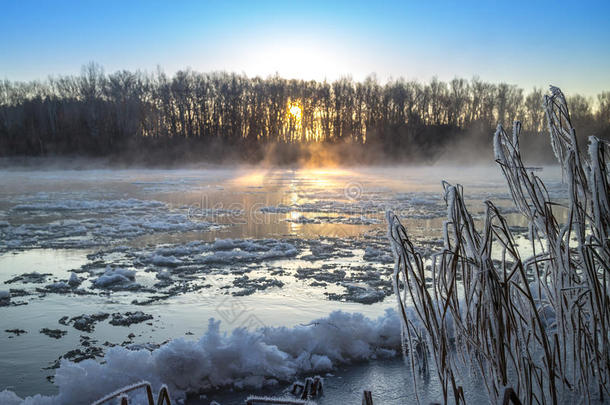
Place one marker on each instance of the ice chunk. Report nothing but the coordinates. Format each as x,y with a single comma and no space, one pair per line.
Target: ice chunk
74,280
59,286
233,251
114,276
376,255
170,261
5,297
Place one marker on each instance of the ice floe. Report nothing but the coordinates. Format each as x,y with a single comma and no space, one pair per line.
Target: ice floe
115,278
85,223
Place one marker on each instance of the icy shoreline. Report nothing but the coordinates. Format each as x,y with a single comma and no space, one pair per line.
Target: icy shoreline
241,359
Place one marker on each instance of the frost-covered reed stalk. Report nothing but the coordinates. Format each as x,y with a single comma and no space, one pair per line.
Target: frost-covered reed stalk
537,325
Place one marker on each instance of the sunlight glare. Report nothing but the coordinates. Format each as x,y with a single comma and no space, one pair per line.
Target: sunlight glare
295,111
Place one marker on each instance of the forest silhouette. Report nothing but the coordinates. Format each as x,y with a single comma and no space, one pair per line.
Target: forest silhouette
219,117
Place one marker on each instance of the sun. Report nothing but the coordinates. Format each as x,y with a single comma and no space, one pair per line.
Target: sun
295,111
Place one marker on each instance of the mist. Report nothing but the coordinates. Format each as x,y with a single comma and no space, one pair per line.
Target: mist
135,118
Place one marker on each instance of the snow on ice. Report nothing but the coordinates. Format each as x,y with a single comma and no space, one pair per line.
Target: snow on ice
241,359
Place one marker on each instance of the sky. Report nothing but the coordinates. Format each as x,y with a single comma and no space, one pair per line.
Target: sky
528,43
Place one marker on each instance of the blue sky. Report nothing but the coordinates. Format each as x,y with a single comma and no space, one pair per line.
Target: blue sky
529,43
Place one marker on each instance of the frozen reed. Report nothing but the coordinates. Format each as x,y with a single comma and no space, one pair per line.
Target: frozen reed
534,326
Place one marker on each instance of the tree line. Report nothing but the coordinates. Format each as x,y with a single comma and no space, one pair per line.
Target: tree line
219,114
